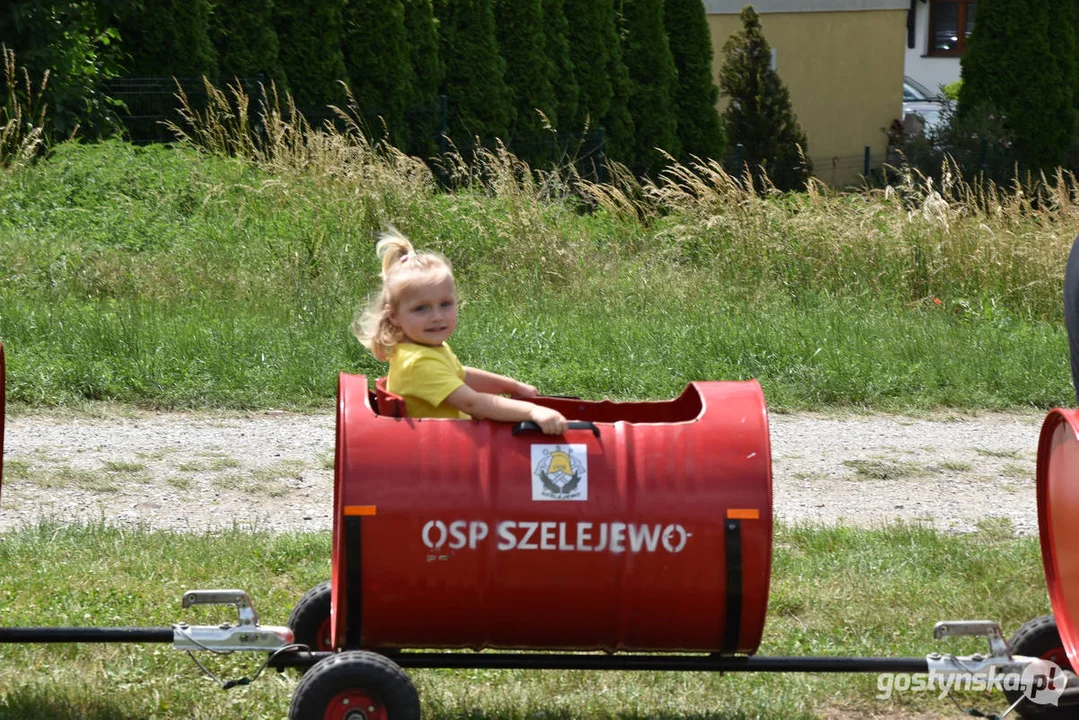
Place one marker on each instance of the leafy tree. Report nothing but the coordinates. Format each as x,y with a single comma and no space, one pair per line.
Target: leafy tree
243,34
1020,64
76,42
379,68
653,77
168,38
428,73
760,116
309,32
521,40
480,102
695,94
564,73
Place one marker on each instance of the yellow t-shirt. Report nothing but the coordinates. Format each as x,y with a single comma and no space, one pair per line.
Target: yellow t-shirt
425,376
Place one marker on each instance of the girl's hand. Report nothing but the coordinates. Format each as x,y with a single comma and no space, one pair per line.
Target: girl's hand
551,422
524,390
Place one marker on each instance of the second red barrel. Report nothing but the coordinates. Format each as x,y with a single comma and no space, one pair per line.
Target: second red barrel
651,530
1058,509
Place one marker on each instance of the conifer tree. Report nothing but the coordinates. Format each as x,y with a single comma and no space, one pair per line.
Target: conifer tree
1020,64
596,52
479,100
379,68
522,43
428,72
245,39
309,33
653,77
759,115
695,94
618,123
169,37
592,31
564,73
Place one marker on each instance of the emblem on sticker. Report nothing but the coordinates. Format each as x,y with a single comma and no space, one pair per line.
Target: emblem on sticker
559,472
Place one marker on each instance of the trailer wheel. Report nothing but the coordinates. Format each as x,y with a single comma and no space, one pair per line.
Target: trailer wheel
355,685
310,619
1039,638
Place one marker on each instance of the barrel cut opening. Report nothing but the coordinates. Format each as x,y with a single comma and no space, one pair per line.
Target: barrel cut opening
687,407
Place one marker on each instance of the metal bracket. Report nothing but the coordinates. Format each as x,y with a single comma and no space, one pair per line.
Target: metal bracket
239,598
247,634
989,672
987,669
998,648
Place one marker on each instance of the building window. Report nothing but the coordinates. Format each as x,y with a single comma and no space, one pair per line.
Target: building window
950,24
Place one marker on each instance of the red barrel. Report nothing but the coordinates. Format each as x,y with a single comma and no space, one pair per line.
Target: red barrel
650,531
1058,521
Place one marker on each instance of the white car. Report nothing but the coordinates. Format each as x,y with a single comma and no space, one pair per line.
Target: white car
919,100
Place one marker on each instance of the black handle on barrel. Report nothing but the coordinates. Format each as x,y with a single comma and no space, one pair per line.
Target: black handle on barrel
573,425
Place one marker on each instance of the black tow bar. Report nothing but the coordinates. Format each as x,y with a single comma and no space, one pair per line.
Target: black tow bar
86,635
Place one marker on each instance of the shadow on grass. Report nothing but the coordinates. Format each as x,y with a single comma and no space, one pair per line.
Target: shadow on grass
41,703
570,714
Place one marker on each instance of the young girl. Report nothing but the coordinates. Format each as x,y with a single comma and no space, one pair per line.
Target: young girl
408,324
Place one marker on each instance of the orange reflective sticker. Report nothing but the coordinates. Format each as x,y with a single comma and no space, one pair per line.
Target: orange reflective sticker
743,514
360,510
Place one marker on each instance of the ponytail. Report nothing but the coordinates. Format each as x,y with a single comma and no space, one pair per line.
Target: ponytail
392,248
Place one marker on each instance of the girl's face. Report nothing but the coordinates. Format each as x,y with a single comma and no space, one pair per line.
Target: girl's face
427,313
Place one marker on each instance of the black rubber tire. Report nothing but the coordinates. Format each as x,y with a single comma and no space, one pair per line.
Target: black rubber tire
1037,638
310,616
355,670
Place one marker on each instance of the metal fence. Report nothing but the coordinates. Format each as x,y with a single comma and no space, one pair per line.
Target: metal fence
867,167
151,101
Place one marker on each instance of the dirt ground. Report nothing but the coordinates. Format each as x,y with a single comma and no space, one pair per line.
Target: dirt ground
274,470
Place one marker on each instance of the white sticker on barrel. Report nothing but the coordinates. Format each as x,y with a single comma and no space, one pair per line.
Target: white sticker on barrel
560,472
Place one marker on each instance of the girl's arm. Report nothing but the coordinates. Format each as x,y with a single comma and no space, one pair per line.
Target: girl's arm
495,407
489,382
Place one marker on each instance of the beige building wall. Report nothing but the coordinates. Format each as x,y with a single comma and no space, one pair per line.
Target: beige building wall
844,71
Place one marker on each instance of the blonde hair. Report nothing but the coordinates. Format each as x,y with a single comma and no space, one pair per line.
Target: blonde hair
402,267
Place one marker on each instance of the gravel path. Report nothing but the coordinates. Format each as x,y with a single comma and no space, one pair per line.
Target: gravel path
198,471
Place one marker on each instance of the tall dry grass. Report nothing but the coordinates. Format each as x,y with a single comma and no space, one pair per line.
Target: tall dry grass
973,248
973,245
272,134
22,114
502,207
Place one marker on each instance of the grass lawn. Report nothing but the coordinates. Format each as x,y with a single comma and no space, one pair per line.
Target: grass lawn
835,591
167,278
